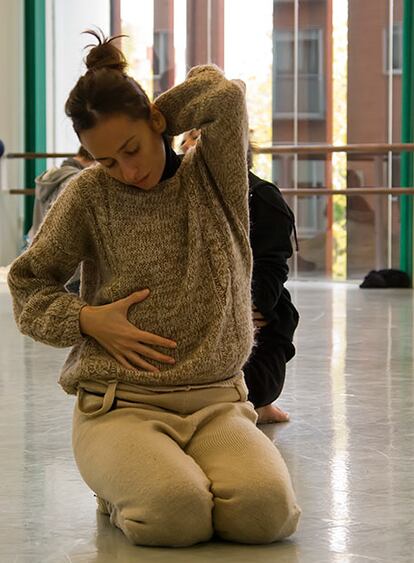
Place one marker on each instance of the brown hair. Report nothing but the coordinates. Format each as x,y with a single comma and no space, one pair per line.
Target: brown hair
105,89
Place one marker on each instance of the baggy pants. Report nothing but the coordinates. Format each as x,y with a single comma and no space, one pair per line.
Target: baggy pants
173,465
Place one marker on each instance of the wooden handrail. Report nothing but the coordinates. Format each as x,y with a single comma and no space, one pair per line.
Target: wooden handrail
300,192
21,191
362,148
349,192
33,155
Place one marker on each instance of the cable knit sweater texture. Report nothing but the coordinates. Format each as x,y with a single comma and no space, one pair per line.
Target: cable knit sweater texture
186,240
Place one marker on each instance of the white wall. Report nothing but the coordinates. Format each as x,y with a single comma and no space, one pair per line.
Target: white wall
65,44
64,53
11,124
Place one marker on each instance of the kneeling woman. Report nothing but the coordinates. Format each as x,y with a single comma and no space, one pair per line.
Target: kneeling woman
162,430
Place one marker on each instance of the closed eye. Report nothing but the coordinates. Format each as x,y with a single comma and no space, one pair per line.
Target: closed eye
132,152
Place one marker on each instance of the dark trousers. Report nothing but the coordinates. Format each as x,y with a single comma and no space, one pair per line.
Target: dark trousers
266,367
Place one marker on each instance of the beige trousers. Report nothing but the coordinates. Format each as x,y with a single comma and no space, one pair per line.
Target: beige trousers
174,465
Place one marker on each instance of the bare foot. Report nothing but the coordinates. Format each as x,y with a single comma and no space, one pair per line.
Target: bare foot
271,413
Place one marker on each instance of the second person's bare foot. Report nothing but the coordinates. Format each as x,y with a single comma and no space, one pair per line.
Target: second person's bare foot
270,414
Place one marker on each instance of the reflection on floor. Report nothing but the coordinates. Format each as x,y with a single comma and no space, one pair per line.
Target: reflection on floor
349,445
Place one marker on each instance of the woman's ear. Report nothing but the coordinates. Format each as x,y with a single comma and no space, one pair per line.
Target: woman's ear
158,123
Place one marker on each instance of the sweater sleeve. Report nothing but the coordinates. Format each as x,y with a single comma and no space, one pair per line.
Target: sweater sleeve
42,308
206,100
271,245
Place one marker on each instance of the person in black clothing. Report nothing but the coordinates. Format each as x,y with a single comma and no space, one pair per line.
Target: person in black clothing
276,318
271,227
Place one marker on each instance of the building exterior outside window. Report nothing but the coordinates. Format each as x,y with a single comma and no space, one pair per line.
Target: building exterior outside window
277,47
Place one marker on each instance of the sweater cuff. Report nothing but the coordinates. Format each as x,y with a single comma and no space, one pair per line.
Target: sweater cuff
60,327
72,334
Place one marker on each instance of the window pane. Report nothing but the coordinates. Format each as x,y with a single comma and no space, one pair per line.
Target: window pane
397,47
309,53
284,54
342,88
373,221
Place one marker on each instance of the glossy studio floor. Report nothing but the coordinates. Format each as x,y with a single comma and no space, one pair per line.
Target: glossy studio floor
349,445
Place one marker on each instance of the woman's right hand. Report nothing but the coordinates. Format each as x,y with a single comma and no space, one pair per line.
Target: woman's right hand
258,319
109,325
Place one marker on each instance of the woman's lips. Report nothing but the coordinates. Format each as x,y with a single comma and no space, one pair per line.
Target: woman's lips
142,179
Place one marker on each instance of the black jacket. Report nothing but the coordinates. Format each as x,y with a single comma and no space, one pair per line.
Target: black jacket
271,226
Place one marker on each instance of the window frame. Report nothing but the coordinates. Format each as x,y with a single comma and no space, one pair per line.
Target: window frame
303,34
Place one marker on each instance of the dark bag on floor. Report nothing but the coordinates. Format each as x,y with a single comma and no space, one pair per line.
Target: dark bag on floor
386,278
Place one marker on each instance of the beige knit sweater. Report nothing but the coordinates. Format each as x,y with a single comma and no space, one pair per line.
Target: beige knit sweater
186,240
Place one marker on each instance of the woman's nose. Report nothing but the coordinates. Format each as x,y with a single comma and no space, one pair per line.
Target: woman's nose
130,174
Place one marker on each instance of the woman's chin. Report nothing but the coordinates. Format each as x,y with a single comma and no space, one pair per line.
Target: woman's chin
148,183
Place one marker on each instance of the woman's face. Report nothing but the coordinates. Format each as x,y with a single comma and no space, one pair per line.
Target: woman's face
131,150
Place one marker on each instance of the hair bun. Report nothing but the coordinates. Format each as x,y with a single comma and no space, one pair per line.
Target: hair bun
105,54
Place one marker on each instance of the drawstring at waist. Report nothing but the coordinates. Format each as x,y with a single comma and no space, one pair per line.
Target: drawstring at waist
108,400
96,398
